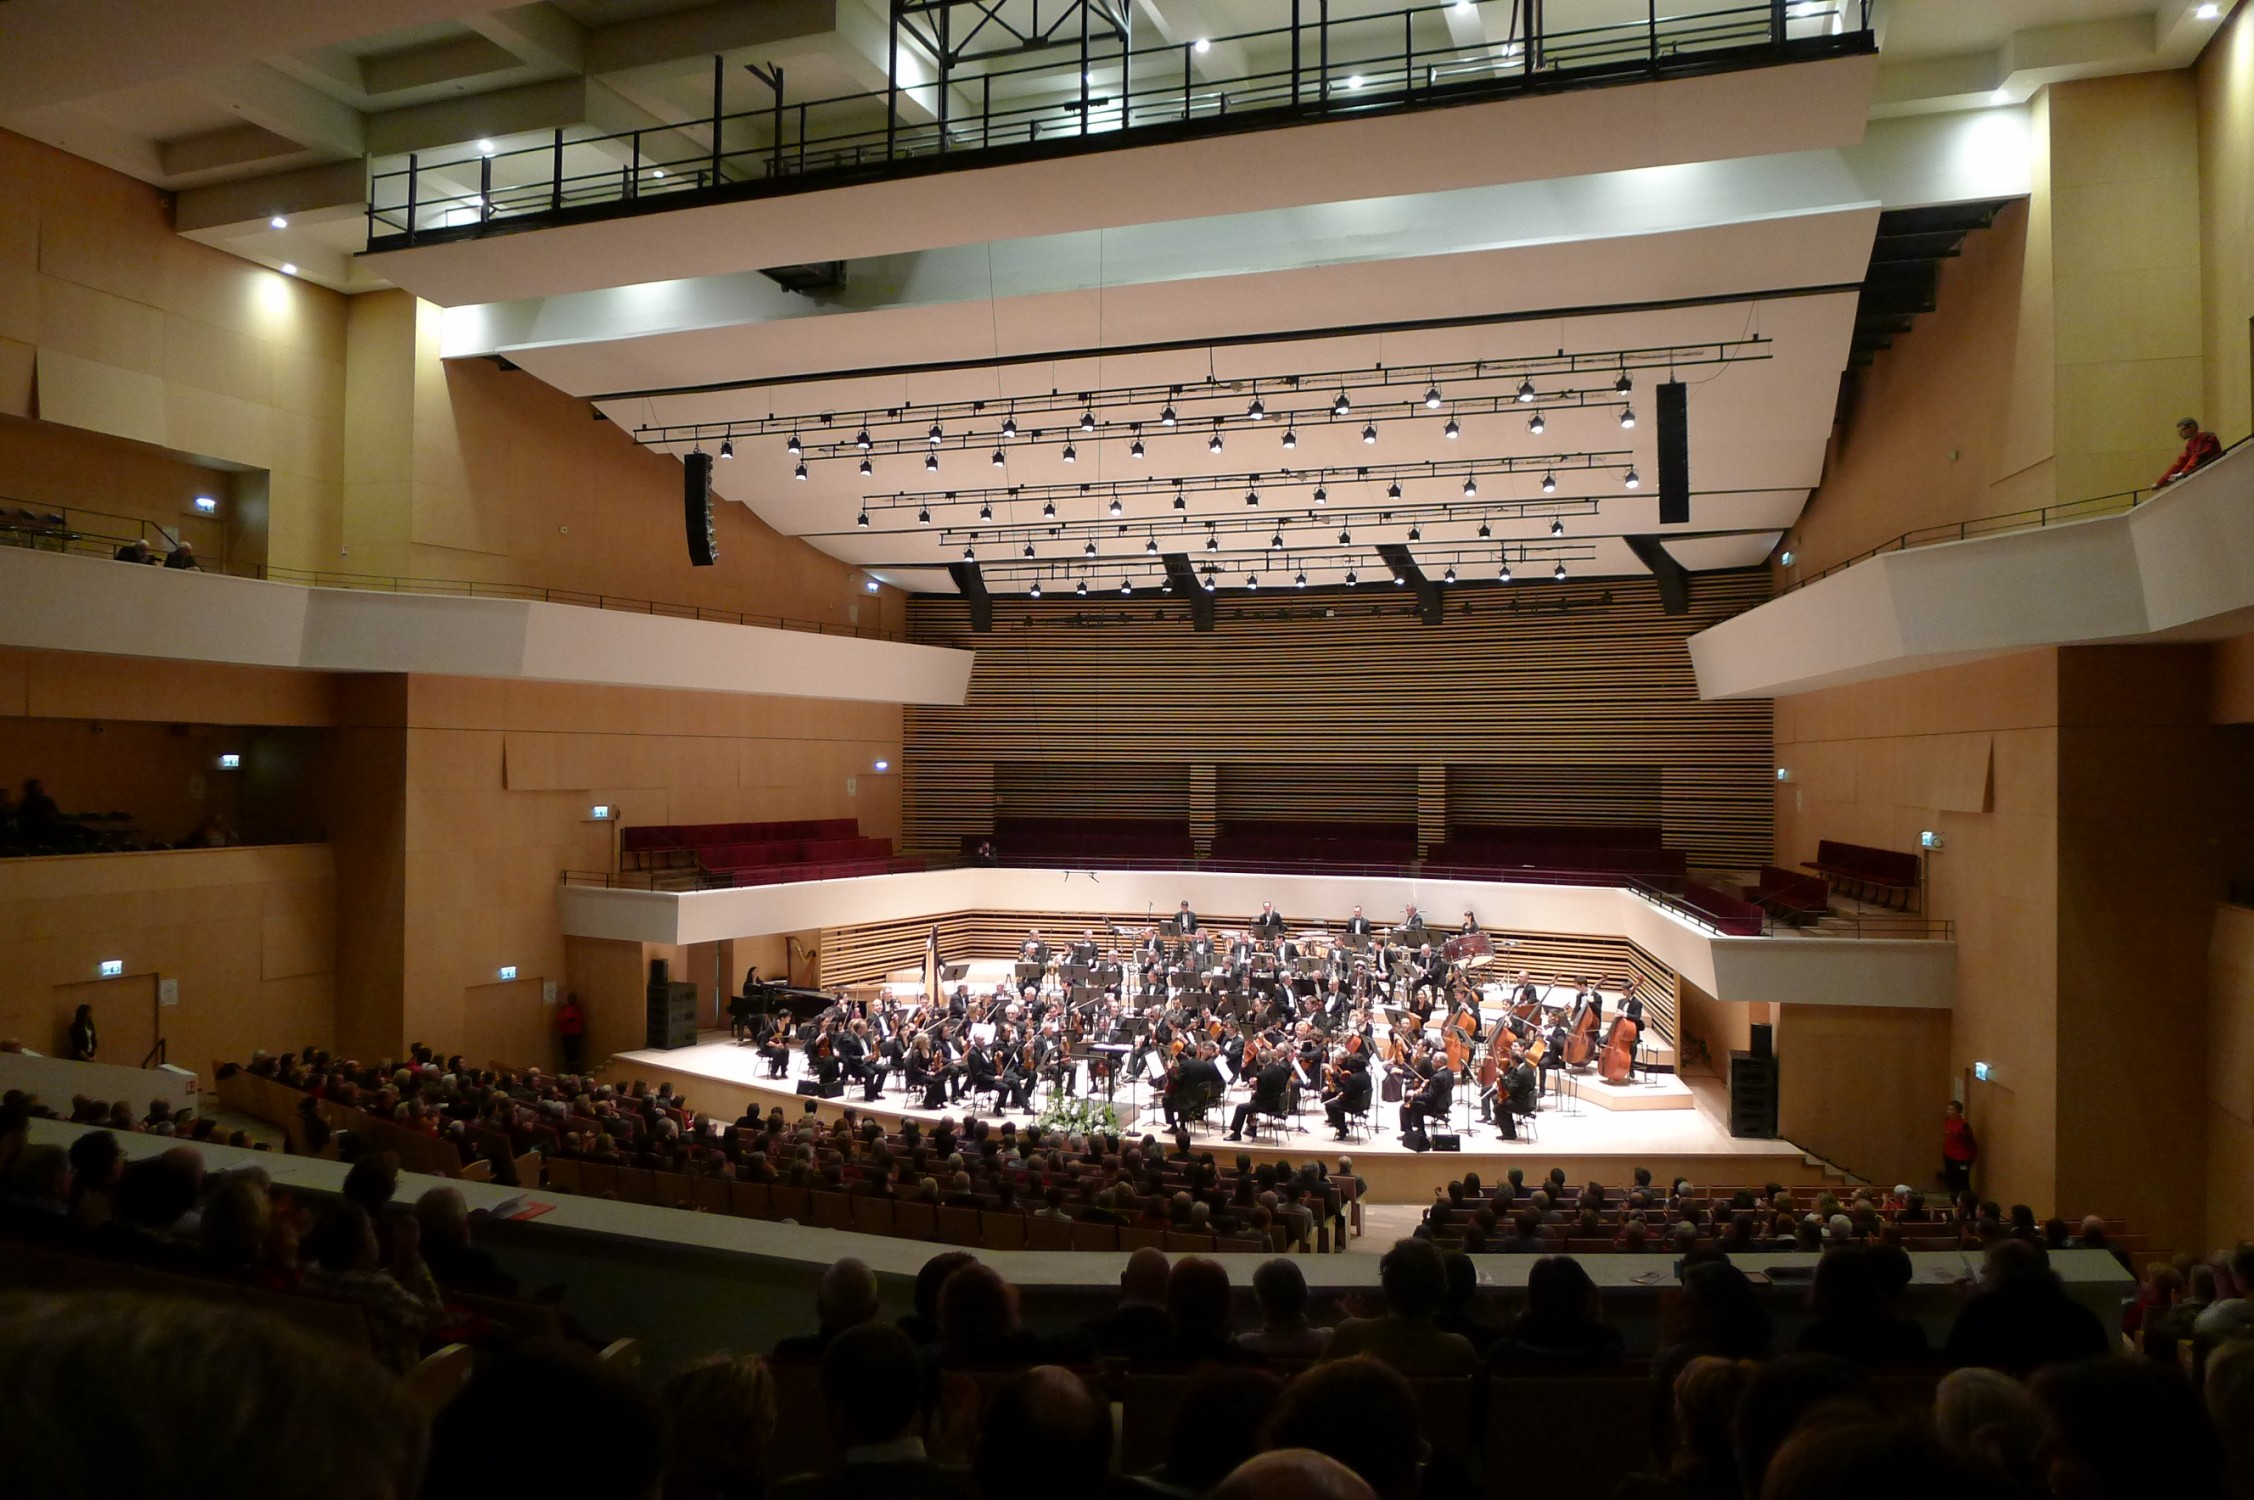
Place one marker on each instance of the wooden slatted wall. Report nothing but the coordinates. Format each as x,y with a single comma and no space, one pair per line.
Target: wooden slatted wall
1303,793
1578,796
867,952
1090,789
1557,676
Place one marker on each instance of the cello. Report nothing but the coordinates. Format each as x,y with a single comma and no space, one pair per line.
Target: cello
1619,1052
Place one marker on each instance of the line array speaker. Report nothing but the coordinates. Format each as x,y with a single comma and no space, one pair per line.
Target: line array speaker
1674,454
696,509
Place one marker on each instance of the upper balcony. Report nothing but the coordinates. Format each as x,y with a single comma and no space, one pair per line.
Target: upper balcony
985,83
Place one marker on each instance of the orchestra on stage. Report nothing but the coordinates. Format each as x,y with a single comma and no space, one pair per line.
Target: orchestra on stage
1420,1021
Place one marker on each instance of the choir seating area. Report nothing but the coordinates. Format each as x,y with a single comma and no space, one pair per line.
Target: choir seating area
704,854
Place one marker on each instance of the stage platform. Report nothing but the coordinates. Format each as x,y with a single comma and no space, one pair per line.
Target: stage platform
1689,1138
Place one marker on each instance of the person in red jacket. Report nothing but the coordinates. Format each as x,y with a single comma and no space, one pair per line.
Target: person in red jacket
1959,1149
2201,448
571,1029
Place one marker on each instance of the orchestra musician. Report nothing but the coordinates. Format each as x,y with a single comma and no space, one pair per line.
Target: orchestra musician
1349,1091
1269,1086
1084,952
1432,1095
1358,927
1471,925
774,1044
1519,1093
1412,924
1184,921
1035,951
1270,922
1193,1086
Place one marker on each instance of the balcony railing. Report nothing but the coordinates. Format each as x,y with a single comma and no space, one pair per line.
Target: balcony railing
1097,99
75,531
2121,502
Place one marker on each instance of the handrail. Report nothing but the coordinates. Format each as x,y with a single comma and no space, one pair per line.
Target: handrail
2120,502
91,544
1857,925
1330,68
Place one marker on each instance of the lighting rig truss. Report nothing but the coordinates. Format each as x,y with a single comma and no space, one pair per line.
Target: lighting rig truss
1218,404
1463,567
1274,494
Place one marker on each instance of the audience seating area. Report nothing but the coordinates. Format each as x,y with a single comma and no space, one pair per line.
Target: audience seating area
1035,841
1732,915
1317,845
1560,855
759,853
1880,874
1790,896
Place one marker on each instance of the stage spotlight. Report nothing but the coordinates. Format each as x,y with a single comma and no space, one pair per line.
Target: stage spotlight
861,440
862,520
1369,432
1449,576
1341,406
1322,495
923,517
1451,431
794,445
1049,509
1549,484
1537,425
1257,411
1071,454
727,447
1136,450
867,468
1526,390
1557,526
935,434
1627,416
1432,398
931,463
1393,491
1632,479
998,459
1559,575
985,511
1116,507
1291,439
1166,417
799,472
1009,425
1471,486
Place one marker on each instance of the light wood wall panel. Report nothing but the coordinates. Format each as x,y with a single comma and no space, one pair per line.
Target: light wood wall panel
1327,709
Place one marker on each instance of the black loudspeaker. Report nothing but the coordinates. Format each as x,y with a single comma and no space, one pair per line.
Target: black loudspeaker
671,1019
1674,454
660,972
1415,1139
1764,1039
813,1088
696,509
1753,1096
1447,1140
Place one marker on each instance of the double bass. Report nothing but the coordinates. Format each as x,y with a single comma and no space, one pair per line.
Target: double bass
1619,1052
1581,1039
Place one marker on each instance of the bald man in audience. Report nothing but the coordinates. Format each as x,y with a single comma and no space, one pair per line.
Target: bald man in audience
846,1298
1292,1474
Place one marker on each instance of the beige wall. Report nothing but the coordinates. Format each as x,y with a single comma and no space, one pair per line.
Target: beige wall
111,322
1873,764
499,780
68,471
2229,1091
2225,78
1863,1087
248,933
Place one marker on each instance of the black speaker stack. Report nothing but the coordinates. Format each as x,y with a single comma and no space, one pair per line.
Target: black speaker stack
696,509
1753,1089
671,1012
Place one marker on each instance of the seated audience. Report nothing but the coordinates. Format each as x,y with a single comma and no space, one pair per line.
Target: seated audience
1140,1325
2123,1427
2021,1318
1043,1434
1359,1411
1284,1332
1786,1390
845,1298
1216,1428
1989,1419
483,1443
719,1422
1292,1474
1702,1464
111,1396
1561,1328
1197,1305
873,1392
457,1264
401,1300
1414,1279
1852,1298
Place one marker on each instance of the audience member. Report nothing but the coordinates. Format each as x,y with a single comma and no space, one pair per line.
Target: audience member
482,1446
2021,1318
1702,1464
1852,1298
1292,1474
1284,1332
1988,1418
2125,1427
456,1263
1561,1328
719,1420
111,1396
1782,1393
1359,1411
1414,1279
921,1323
2201,448
2229,1395
1139,1326
873,1390
1217,1427
1197,1305
845,1298
1043,1434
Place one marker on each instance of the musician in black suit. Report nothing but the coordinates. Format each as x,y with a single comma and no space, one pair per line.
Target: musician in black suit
1193,1087
1412,924
1269,1086
1270,922
1034,952
1431,1099
1084,952
1184,921
1521,1093
927,1072
1352,1095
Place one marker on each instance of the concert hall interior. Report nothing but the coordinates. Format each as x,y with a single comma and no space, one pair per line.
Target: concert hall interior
757,636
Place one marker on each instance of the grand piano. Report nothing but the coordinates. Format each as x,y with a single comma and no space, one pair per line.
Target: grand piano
771,995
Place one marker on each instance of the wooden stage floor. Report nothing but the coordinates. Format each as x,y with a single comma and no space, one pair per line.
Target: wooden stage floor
722,1078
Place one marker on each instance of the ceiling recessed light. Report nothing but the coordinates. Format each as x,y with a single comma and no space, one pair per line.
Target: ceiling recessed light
278,222
289,268
1353,82
485,148
2208,12
1203,44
